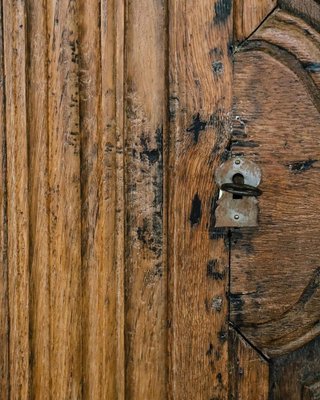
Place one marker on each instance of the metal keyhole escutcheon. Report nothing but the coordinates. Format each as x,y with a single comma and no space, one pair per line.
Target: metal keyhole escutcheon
238,179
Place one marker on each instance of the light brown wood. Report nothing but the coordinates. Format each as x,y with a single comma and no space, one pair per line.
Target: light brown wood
249,372
146,273
39,264
102,202
249,14
17,188
64,201
200,74
4,303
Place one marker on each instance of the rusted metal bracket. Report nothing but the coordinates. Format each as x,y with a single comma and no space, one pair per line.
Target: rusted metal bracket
238,180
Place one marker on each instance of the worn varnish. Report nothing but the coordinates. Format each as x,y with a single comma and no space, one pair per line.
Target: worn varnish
114,281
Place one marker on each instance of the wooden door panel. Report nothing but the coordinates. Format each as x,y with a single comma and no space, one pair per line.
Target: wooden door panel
274,268
114,282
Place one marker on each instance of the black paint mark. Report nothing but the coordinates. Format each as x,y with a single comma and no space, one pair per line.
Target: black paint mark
301,166
196,127
212,271
236,300
195,215
239,132
152,155
217,67
312,67
222,10
244,143
219,377
210,350
223,336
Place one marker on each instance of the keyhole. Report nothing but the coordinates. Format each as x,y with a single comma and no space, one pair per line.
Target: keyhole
238,179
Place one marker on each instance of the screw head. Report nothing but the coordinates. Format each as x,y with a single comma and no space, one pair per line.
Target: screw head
236,217
237,162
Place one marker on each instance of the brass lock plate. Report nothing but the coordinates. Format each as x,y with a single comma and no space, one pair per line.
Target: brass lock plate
238,180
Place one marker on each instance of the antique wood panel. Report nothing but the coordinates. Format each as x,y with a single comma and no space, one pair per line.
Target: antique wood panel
114,279
200,73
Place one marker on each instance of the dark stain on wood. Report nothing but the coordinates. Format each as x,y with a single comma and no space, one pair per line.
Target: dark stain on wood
212,271
195,215
312,67
222,336
210,350
222,10
244,143
196,127
217,67
301,166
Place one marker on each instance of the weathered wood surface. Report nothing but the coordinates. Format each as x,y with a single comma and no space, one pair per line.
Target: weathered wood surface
200,72
17,201
113,279
37,121
146,272
4,301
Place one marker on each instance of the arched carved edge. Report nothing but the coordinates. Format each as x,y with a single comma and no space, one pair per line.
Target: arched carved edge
290,60
309,10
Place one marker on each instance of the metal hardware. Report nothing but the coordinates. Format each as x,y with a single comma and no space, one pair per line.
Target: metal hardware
241,189
238,180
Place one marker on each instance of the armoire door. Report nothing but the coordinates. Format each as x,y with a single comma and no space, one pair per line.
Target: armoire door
124,275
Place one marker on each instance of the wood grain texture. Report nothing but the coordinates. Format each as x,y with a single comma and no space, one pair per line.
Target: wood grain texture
275,269
249,372
64,200
200,74
145,126
39,264
4,303
102,197
248,15
17,187
307,9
